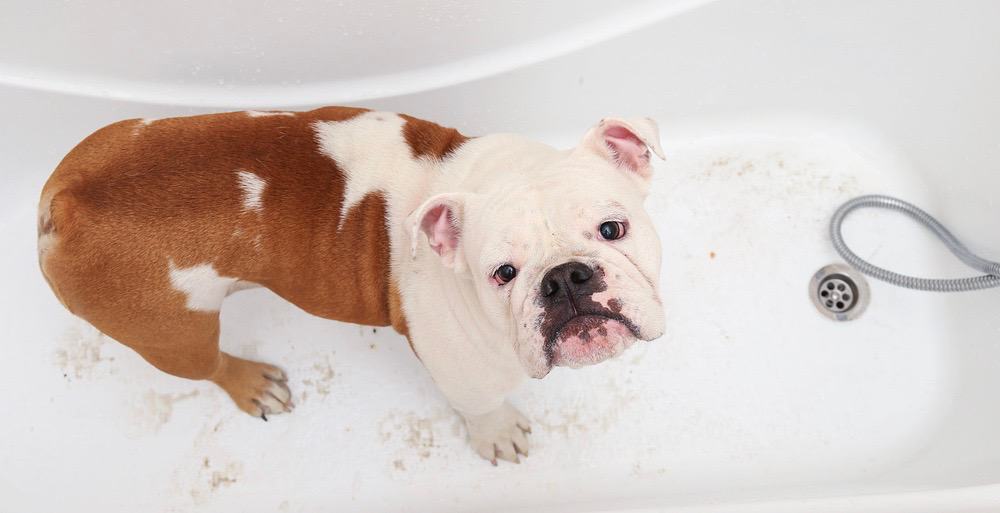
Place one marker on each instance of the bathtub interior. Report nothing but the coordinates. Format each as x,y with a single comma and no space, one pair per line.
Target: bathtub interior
772,113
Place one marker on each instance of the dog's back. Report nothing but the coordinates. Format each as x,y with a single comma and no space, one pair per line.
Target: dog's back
250,196
146,226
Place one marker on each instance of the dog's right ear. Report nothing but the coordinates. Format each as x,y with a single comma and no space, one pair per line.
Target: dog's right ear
440,219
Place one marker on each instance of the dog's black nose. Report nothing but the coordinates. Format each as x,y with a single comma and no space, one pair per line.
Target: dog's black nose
572,278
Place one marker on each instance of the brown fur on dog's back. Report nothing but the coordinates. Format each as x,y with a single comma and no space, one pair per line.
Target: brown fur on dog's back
135,199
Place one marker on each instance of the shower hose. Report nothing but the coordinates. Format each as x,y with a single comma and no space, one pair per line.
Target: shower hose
991,278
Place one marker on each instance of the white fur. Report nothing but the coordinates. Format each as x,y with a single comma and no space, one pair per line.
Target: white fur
472,366
522,202
45,240
261,114
501,433
142,124
480,341
373,155
201,284
253,191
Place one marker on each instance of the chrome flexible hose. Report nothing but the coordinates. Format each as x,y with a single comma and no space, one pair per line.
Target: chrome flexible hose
992,269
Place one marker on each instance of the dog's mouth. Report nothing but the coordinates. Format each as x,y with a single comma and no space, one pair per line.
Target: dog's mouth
588,338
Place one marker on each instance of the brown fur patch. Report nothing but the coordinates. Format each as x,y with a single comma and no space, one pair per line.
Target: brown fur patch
134,198
427,139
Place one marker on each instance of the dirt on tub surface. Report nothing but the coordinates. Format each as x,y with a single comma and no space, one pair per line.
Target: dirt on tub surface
79,353
417,438
211,477
154,410
320,380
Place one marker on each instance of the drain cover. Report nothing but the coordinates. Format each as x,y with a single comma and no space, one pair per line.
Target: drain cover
839,292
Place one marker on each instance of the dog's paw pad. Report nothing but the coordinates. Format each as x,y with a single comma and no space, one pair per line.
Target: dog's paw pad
500,435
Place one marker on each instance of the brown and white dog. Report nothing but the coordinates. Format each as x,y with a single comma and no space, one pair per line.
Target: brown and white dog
497,257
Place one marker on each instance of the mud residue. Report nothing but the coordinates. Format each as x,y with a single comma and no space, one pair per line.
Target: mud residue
155,409
207,467
719,162
640,470
777,172
212,477
416,432
364,330
79,353
417,437
226,478
564,422
320,380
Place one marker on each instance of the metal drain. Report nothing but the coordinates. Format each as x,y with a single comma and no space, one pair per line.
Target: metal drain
839,292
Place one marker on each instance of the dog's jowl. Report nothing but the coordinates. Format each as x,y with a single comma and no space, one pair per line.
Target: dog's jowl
497,257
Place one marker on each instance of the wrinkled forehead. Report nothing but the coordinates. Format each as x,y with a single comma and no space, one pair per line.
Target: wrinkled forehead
569,185
514,214
549,210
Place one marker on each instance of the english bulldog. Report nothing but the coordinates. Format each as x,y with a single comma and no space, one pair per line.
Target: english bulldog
497,257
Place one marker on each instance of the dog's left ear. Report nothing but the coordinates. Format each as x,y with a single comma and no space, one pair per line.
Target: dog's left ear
626,143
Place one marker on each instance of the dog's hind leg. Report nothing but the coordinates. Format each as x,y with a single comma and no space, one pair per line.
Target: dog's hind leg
170,318
192,352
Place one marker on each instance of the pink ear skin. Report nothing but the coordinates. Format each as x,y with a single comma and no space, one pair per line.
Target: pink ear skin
627,149
627,143
439,226
440,219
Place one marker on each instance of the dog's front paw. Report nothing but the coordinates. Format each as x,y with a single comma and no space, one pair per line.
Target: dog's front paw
501,433
257,388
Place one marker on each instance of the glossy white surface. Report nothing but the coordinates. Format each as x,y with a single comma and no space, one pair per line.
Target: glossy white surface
772,112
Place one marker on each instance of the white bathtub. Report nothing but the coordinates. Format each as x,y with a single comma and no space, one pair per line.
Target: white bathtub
772,113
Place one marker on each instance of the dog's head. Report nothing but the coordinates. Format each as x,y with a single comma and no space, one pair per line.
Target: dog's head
558,246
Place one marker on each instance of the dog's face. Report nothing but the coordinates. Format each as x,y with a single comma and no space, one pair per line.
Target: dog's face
558,246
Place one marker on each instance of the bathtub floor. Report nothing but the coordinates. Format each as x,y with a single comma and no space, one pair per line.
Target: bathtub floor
751,393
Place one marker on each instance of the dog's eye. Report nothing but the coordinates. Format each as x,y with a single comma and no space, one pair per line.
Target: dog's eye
505,273
612,230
